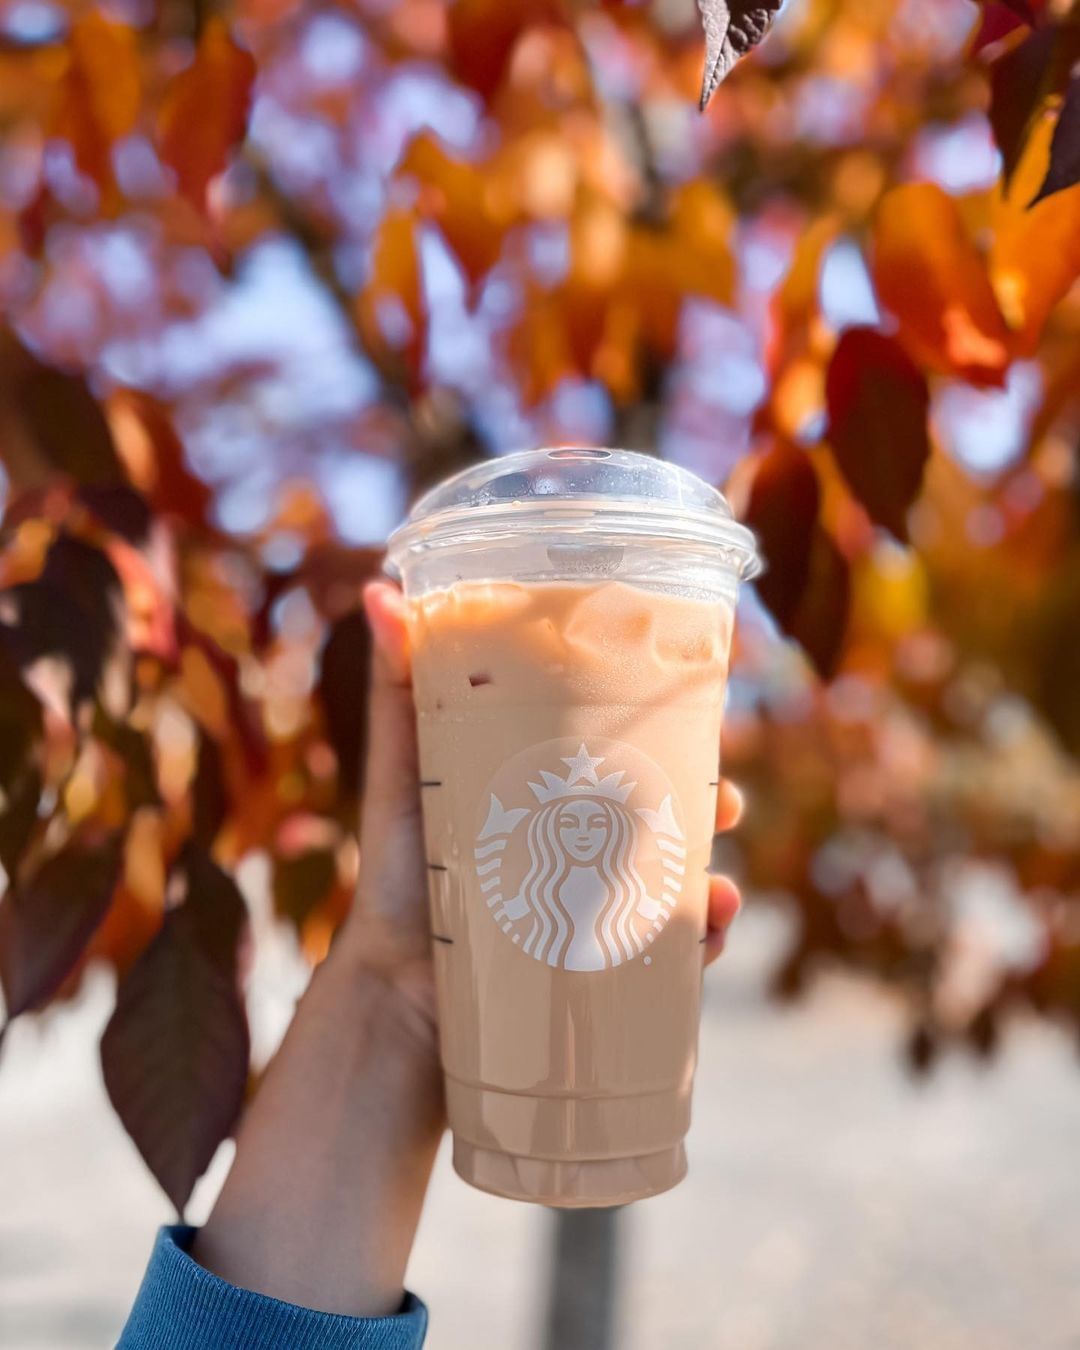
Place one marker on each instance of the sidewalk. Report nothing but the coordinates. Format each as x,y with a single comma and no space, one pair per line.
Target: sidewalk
831,1204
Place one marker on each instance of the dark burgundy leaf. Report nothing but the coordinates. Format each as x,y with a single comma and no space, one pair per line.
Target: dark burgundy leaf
71,611
19,817
984,1032
209,792
1016,84
1027,10
732,28
922,1049
1056,639
997,22
133,748
1022,80
819,624
1064,170
51,422
342,691
47,920
878,404
175,1051
301,883
20,774
783,512
119,508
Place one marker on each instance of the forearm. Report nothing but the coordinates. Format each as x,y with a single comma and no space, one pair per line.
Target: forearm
334,1155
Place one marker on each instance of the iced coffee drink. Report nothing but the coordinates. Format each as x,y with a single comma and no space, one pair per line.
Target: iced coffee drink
569,668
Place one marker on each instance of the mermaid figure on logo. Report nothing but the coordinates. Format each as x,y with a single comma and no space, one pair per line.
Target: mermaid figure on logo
582,895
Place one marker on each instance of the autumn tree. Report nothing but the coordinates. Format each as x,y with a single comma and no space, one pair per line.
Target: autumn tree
268,270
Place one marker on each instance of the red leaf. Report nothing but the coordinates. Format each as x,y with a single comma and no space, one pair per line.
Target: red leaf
342,691
783,512
878,404
1064,171
806,585
47,920
482,35
175,1051
997,22
204,111
50,423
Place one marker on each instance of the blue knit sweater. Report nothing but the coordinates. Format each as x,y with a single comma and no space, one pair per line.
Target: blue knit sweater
181,1306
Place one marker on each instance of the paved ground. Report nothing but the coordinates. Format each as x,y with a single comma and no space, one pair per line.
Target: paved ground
831,1205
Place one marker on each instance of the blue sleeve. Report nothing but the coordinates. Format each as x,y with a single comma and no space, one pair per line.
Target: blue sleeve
182,1306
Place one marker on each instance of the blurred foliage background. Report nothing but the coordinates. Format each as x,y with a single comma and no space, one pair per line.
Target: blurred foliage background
269,269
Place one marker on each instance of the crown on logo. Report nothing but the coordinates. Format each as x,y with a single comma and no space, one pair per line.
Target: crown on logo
582,766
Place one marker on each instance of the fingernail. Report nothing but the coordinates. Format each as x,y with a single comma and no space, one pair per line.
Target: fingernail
385,632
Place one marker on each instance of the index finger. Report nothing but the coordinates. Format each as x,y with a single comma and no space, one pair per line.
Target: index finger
729,806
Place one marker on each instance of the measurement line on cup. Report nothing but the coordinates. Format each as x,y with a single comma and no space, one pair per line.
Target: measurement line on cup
438,937
436,867
713,782
430,782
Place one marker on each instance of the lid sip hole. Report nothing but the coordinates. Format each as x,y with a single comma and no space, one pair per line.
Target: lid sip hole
578,452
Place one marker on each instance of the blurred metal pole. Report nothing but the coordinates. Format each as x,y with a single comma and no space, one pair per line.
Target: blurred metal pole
583,1288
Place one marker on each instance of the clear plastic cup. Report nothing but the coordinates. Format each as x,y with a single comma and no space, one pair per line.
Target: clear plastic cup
571,614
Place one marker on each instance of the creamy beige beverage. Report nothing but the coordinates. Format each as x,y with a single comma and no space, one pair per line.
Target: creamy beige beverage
569,743
571,615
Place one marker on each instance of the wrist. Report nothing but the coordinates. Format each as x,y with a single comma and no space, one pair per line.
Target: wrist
375,959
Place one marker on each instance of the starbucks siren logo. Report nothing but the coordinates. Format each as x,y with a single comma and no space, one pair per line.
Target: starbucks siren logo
581,877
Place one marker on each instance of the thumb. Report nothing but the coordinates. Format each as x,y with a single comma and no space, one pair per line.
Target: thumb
391,806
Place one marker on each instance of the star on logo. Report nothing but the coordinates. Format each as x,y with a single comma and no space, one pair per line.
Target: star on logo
582,765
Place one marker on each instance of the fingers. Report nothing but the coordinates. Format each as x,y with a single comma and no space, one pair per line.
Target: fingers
724,898
724,903
384,606
729,806
389,837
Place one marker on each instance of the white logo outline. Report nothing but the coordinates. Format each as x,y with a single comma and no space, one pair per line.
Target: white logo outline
582,903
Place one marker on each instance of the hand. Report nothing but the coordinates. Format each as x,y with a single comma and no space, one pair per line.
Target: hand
388,931
334,1154
724,899
389,927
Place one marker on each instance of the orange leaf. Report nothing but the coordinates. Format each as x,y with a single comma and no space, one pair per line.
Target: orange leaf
537,345
689,254
391,306
929,273
458,196
703,224
1036,252
98,96
204,111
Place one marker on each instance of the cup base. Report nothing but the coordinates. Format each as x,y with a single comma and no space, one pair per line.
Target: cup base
584,1184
